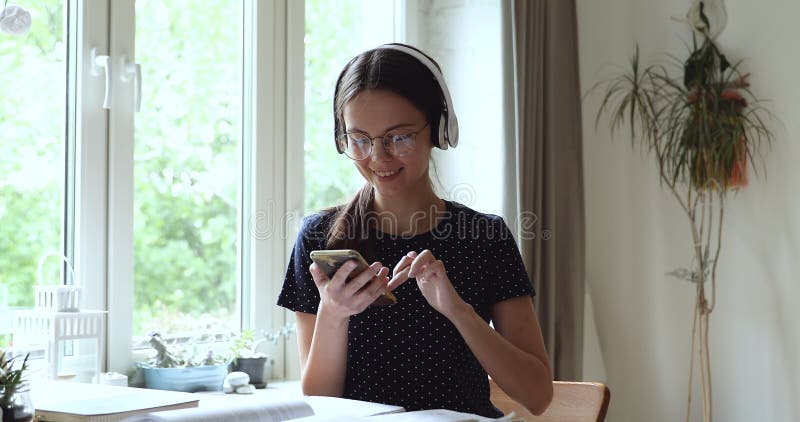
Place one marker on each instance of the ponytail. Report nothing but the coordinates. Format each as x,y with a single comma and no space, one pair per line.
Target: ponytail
350,226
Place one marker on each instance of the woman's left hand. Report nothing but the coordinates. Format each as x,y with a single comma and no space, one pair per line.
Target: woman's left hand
432,281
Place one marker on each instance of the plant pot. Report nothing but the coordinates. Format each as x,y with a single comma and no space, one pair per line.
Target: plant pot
18,407
739,170
188,379
254,367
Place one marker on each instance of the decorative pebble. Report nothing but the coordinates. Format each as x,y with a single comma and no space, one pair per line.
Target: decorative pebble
246,389
237,379
226,387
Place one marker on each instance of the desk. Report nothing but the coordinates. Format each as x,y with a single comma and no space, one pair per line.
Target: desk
62,400
279,401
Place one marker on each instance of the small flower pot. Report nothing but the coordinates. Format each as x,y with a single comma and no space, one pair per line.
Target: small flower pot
17,407
187,379
254,367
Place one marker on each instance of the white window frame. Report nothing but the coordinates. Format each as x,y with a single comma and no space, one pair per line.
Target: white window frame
104,166
273,196
274,91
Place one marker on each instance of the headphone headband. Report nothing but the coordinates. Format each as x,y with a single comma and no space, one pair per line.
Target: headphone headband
448,123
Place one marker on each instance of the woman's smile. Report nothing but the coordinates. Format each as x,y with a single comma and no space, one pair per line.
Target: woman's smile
386,175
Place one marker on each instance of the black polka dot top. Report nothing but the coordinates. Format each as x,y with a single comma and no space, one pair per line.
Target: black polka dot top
408,354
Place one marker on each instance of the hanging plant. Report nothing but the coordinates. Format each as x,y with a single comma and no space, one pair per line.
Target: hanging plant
705,127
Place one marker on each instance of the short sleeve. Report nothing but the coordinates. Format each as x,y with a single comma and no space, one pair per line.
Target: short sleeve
299,293
511,279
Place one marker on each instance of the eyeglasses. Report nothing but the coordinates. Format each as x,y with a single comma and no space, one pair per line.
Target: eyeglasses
358,145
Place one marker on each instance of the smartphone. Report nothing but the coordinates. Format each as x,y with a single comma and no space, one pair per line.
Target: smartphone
332,259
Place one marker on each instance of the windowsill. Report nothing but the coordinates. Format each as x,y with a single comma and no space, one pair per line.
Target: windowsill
277,389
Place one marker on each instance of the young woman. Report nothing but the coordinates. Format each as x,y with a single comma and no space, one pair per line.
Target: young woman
455,269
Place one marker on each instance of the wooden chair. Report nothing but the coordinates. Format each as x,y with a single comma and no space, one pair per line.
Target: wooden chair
572,402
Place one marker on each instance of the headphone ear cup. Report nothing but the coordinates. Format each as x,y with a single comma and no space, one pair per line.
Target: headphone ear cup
442,139
452,130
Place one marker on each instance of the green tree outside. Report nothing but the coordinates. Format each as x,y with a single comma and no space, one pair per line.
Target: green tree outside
32,89
187,151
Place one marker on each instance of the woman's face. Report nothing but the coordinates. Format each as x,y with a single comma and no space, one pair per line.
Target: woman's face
376,112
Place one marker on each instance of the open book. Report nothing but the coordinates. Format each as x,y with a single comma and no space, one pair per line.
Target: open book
78,402
433,415
253,412
74,402
310,409
273,409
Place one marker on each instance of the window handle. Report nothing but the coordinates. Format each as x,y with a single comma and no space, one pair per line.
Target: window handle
104,62
133,71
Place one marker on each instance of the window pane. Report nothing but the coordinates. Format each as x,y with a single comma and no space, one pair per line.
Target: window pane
331,178
187,167
33,76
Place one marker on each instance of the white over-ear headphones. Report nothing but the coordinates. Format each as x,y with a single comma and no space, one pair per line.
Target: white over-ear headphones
448,123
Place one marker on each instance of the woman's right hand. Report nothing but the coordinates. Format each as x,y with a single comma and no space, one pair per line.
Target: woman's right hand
340,298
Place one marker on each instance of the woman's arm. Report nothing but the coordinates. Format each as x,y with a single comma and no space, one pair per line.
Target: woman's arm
513,354
322,338
322,343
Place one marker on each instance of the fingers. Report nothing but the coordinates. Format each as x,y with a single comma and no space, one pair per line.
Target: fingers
378,285
404,262
344,272
398,279
360,280
353,296
372,290
420,262
401,265
317,274
431,271
400,272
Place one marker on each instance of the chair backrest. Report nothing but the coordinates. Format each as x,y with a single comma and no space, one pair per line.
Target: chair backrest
572,402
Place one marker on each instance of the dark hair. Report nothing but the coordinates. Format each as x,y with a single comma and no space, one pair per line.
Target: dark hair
404,75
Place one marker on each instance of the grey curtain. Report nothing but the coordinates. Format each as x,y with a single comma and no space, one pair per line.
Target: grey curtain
549,169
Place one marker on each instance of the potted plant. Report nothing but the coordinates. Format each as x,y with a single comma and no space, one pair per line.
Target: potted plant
704,126
246,358
15,403
182,371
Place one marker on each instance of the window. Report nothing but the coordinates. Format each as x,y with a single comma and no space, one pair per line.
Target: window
33,144
187,166
172,213
331,178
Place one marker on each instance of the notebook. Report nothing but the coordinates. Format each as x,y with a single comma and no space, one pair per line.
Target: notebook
78,402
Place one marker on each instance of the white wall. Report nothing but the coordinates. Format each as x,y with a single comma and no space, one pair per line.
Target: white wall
464,37
636,232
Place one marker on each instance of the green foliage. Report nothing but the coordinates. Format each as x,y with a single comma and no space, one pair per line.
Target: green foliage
10,377
187,151
32,70
330,178
246,344
702,127
180,357
187,163
243,346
